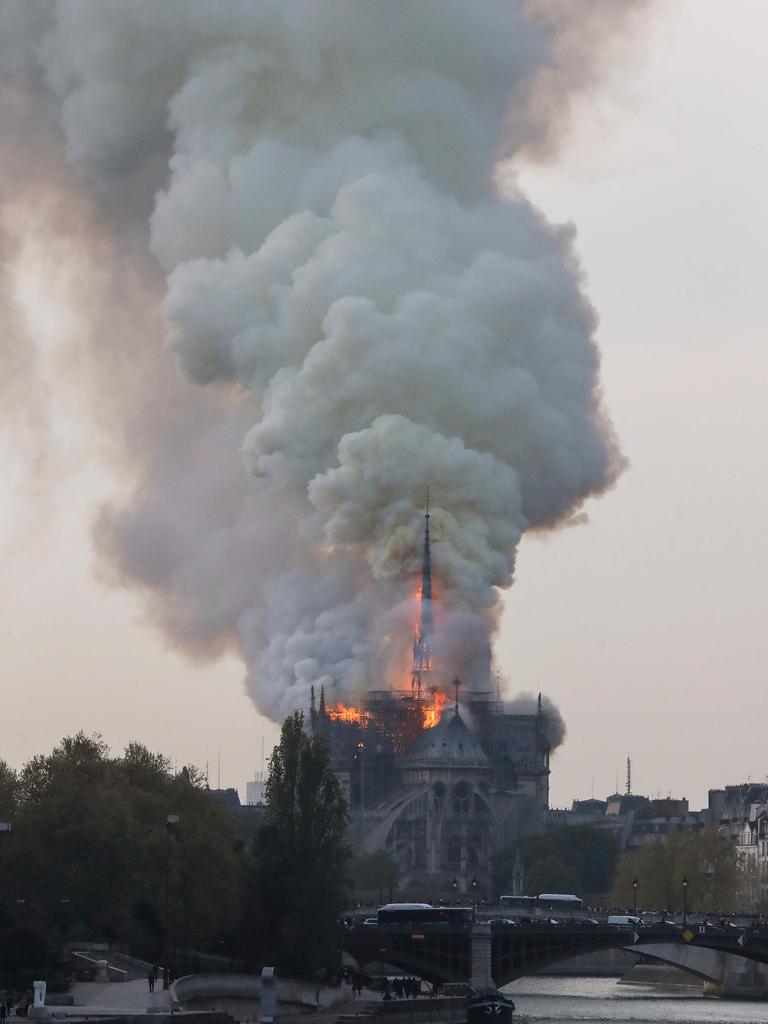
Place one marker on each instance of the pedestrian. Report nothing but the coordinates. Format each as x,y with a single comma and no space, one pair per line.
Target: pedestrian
151,981
3,1011
387,995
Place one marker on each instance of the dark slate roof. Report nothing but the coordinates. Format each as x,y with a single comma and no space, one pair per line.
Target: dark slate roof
447,744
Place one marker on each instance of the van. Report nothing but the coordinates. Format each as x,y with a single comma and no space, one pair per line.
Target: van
623,920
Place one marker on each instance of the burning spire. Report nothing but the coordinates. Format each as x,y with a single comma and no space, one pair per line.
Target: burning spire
422,663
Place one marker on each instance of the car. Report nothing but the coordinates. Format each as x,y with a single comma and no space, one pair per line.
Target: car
585,922
371,921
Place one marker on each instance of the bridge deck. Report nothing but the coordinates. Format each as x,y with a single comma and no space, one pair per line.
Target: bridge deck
444,952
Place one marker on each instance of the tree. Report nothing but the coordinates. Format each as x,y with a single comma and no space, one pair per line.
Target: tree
706,859
581,860
374,873
87,854
298,888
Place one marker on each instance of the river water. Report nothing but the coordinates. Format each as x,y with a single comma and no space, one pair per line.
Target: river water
602,999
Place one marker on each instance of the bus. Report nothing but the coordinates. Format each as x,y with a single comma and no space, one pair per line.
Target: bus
544,901
559,901
422,913
518,902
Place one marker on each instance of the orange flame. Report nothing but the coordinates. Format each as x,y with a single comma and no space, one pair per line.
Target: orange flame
433,711
344,713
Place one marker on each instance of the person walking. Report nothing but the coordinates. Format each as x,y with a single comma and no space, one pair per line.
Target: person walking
151,981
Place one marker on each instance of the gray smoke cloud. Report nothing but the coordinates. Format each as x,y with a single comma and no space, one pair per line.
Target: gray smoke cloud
316,182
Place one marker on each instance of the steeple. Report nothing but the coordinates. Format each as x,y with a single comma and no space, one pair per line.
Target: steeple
322,701
422,663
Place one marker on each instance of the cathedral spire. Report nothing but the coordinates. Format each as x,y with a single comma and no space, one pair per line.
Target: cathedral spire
421,656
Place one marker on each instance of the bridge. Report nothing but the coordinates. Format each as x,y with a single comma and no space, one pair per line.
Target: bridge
488,954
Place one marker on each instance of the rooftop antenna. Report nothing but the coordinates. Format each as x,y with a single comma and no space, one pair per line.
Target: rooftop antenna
629,776
218,785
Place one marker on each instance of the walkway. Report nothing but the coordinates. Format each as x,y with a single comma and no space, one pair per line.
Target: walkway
129,997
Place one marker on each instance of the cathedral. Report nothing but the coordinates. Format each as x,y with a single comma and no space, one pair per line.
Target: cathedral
440,784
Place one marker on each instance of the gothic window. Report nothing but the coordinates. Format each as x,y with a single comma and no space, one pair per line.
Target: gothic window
461,796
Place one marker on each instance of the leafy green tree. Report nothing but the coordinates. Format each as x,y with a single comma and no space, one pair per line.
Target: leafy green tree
707,859
298,889
89,849
581,860
374,874
553,875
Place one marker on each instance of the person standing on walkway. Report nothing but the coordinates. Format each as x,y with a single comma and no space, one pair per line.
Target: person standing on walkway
151,981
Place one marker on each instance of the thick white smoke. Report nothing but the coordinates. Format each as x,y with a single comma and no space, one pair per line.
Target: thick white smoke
338,262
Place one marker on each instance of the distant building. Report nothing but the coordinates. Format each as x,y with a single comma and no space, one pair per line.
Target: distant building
632,819
248,819
255,790
741,813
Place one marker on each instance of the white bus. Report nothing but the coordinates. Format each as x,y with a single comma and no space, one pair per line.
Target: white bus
559,901
544,901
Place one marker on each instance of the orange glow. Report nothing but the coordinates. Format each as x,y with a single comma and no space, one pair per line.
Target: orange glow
343,713
433,710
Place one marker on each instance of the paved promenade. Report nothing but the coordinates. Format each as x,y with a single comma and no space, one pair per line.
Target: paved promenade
132,997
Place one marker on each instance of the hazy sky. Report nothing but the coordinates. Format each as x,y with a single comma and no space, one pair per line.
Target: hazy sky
646,625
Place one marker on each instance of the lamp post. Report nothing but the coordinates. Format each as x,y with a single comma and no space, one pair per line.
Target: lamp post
171,820
474,899
685,901
454,886
635,884
65,904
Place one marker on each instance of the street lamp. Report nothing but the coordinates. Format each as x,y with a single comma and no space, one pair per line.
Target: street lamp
635,884
454,886
474,898
685,901
171,821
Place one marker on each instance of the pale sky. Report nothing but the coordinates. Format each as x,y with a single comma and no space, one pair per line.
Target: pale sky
646,625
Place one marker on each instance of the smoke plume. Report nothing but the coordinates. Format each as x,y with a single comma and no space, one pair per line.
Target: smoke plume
315,180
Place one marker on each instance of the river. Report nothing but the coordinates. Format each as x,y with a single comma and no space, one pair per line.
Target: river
602,999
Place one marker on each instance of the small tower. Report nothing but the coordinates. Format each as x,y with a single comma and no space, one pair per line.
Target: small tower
422,663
